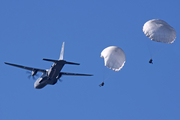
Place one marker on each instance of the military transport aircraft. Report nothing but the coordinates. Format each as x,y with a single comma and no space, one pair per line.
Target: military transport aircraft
50,76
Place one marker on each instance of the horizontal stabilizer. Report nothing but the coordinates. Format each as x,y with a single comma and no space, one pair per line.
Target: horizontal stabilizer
72,63
61,61
51,60
76,74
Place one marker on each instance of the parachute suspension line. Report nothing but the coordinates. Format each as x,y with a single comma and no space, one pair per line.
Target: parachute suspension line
103,72
159,51
107,77
103,77
149,49
106,73
152,55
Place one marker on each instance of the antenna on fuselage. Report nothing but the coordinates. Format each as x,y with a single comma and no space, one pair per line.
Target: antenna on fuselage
62,52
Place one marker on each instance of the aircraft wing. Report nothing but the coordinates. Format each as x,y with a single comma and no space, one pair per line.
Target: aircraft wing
76,74
27,68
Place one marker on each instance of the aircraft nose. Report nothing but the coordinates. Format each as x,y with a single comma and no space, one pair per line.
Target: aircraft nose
37,85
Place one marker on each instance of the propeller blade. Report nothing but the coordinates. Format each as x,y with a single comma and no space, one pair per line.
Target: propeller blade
30,75
60,80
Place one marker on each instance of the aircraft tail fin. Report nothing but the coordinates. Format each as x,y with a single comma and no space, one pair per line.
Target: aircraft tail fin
62,52
61,58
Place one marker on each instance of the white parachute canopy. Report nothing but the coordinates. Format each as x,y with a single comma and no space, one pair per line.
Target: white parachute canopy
159,31
114,57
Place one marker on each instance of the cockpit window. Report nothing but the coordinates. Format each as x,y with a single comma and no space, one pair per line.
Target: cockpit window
44,74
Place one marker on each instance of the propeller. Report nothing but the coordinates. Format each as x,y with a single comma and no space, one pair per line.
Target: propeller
32,74
58,77
60,80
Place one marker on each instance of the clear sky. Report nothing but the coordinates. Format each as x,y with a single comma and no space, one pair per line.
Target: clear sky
35,29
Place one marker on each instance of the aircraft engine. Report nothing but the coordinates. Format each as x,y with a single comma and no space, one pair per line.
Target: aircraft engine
59,76
34,72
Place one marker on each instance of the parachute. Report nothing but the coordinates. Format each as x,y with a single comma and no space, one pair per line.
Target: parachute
159,31
114,57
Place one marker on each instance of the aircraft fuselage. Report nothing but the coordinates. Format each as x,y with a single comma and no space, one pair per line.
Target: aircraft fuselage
50,77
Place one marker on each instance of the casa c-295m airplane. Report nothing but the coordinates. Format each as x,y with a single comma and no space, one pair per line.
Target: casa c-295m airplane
50,76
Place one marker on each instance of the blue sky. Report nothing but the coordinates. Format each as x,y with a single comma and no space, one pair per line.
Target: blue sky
35,29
